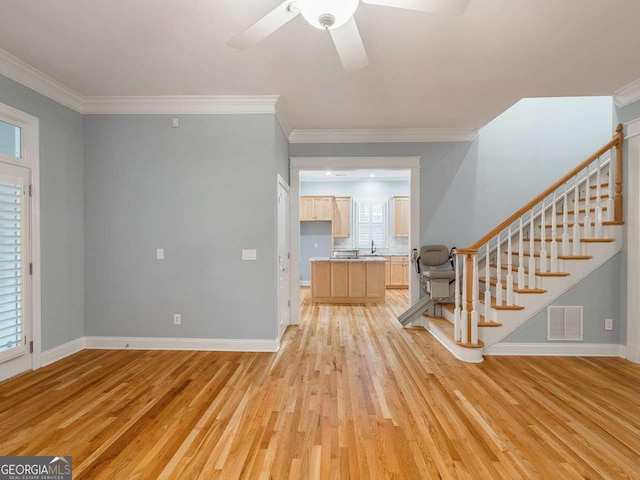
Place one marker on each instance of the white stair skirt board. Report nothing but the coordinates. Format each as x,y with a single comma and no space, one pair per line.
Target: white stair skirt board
633,353
555,349
201,344
555,287
62,351
469,355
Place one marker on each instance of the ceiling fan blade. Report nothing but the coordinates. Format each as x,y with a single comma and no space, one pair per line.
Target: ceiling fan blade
450,7
350,47
264,27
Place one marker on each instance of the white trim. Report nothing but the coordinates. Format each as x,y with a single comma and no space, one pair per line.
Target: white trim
468,355
632,128
61,351
17,70
181,105
349,163
379,135
632,353
557,349
197,344
627,95
281,117
305,283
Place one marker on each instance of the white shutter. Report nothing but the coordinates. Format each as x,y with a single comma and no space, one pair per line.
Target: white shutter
11,266
371,223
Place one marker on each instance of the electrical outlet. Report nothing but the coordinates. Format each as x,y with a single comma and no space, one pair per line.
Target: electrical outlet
177,319
608,323
159,253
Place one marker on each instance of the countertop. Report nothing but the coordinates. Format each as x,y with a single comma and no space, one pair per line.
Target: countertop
359,259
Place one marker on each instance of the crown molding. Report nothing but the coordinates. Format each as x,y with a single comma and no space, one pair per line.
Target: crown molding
282,117
384,135
17,70
181,104
627,95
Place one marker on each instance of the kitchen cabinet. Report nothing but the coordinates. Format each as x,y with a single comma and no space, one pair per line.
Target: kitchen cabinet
316,209
400,216
341,226
398,276
347,281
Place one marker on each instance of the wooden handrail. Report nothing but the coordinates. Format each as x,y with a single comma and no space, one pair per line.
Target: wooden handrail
615,142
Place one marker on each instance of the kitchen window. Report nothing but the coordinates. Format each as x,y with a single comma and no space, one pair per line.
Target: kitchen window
371,223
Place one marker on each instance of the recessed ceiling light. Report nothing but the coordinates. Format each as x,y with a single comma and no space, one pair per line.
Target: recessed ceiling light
372,175
328,173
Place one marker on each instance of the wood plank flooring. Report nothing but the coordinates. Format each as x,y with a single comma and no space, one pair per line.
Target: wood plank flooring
350,395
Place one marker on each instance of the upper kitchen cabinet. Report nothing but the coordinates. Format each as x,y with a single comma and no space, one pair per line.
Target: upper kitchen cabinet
400,216
341,217
316,209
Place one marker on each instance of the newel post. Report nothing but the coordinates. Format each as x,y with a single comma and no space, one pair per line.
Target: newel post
617,199
469,296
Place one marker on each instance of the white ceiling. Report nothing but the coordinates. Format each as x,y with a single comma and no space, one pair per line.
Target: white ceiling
425,71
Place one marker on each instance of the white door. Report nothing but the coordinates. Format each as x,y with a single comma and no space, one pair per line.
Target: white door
284,293
15,286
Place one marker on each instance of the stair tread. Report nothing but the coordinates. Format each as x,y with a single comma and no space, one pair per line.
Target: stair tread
446,327
560,257
581,210
500,307
494,282
585,240
538,272
481,320
606,223
602,185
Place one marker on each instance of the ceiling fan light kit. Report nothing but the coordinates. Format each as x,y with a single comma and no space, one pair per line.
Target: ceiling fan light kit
336,16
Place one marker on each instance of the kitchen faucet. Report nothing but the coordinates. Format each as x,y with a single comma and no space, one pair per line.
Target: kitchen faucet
373,248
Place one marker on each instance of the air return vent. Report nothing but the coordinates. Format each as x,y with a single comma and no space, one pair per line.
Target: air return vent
564,323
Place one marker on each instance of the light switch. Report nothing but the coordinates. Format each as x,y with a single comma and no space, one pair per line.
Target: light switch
160,254
249,254
175,123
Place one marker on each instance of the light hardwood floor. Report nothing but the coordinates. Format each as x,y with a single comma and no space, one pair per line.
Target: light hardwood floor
350,395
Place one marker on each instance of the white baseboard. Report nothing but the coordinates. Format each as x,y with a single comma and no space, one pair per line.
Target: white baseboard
204,344
633,353
305,283
61,351
557,349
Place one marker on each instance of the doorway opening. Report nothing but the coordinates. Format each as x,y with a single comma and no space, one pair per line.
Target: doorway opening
354,207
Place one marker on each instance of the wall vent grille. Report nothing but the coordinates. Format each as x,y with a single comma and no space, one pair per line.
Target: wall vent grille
564,323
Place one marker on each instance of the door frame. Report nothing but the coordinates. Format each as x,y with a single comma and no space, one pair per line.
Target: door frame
298,164
281,182
30,137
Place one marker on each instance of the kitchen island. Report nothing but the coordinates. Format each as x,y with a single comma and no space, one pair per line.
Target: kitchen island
348,280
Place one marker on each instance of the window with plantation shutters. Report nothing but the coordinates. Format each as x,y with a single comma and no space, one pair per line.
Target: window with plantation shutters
371,219
12,246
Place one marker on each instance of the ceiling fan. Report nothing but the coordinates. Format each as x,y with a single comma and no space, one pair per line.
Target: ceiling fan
336,16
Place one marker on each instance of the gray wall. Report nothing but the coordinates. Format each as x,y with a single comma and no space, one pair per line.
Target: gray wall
599,294
315,241
61,209
203,192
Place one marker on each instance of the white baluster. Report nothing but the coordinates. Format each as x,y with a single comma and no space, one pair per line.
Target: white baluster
456,310
498,273
576,227
521,283
509,269
554,244
532,251
610,191
587,214
543,248
487,285
565,223
598,209
474,304
464,315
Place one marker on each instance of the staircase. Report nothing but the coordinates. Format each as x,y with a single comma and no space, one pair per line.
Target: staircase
534,256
